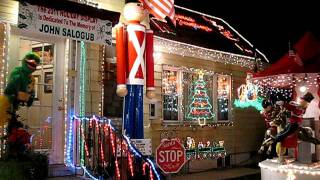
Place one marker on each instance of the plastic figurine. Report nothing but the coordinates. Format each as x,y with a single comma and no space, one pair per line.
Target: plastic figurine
208,144
19,90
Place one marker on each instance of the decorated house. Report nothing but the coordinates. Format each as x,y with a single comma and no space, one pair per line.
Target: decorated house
199,65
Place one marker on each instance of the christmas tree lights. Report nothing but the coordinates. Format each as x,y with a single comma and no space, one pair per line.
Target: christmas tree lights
200,107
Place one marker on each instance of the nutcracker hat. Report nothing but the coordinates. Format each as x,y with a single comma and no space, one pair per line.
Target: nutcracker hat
308,97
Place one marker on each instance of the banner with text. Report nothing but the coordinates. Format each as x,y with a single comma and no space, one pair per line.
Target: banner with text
62,23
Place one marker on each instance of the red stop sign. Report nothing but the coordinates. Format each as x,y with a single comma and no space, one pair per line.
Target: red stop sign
170,156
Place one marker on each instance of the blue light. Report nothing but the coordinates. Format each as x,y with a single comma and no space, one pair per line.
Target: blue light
88,173
132,148
153,168
69,153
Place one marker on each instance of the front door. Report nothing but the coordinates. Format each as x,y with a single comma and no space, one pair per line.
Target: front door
45,118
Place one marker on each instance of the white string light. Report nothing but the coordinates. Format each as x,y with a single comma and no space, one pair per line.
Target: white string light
5,57
102,80
184,49
66,119
272,165
290,80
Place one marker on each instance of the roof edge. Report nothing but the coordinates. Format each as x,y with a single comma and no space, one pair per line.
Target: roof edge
226,23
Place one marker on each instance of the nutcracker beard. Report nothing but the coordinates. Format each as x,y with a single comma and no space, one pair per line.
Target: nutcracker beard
133,112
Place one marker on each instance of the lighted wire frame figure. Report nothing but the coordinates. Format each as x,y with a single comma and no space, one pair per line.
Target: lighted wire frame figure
248,91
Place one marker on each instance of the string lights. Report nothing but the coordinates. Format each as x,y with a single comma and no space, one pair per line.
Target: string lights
227,24
190,22
176,80
145,165
65,104
101,127
290,168
3,73
195,124
5,57
184,49
102,79
200,107
2,65
82,98
288,80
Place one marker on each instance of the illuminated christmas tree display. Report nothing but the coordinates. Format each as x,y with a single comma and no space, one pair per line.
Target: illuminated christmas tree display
200,108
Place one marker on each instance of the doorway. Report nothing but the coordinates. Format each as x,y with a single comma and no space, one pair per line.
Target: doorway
38,117
45,118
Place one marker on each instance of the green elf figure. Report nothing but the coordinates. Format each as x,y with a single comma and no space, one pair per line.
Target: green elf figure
20,88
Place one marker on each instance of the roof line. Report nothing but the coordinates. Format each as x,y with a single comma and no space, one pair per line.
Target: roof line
248,42
222,52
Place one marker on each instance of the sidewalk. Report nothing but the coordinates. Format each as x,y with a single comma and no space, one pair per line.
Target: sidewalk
225,174
234,173
65,178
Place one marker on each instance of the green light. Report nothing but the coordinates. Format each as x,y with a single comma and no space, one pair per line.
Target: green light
200,107
257,104
82,98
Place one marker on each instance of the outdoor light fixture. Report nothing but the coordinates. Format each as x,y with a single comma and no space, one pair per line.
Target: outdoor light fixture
303,89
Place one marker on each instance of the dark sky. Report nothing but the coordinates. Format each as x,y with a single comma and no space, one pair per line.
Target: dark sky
267,24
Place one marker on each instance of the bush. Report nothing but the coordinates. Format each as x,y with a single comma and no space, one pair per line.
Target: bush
35,167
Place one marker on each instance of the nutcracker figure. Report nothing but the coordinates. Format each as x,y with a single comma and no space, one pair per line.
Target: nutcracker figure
293,130
134,43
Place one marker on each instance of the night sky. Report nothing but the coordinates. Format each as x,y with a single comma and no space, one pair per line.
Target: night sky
268,25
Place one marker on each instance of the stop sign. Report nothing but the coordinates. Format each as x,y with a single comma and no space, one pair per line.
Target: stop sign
170,156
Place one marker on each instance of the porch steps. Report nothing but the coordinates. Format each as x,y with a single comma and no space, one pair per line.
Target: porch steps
57,170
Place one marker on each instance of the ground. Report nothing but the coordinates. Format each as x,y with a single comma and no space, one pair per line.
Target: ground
223,174
230,174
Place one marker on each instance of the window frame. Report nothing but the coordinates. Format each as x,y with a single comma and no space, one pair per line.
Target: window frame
229,98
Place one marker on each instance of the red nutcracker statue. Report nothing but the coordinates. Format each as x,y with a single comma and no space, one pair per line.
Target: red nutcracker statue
134,45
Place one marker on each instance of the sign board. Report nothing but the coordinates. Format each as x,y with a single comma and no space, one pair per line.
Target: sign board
170,156
49,21
143,145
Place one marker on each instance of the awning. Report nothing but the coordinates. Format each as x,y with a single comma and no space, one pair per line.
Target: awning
305,60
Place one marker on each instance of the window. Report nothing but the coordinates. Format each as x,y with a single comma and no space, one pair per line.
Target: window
170,94
195,95
223,97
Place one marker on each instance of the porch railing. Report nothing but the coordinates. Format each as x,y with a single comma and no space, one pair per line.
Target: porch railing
95,146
